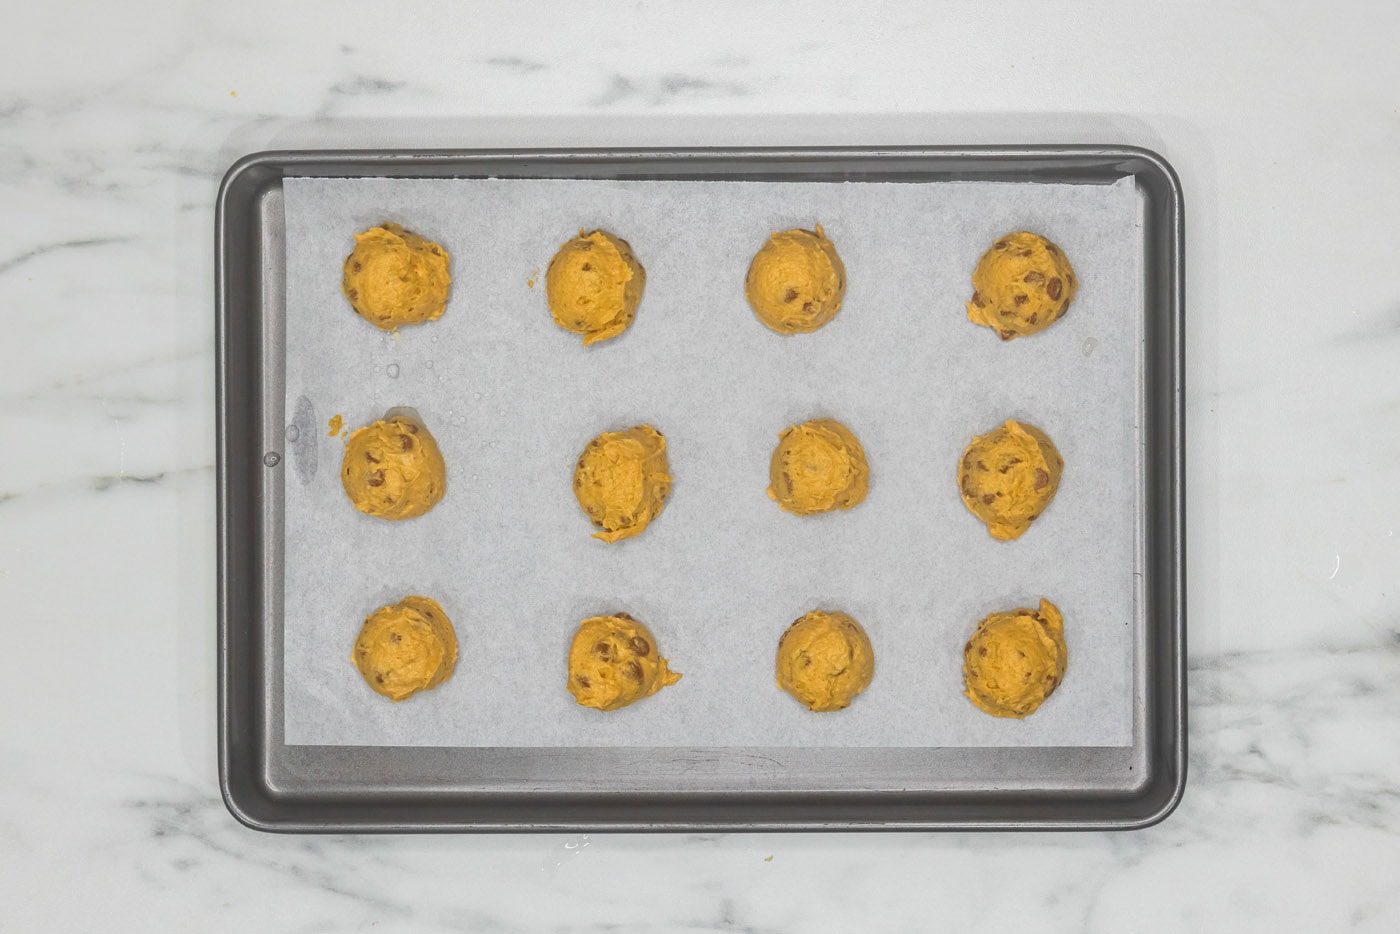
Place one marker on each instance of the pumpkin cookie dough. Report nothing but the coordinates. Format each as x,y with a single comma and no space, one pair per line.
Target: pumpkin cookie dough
614,661
395,277
406,648
825,660
393,469
1015,660
1008,476
622,481
818,466
593,286
1022,285
796,281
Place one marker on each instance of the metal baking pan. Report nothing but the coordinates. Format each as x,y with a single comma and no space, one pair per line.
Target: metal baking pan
269,785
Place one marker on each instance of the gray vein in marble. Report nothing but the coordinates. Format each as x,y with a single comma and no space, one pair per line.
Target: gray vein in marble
516,64
667,88
45,249
1383,326
187,825
357,86
189,171
1226,660
729,921
94,375
364,84
1281,727
102,483
186,819
135,398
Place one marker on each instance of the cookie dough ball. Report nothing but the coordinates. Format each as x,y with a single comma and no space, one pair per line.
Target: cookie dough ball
614,661
1008,476
393,469
1015,660
622,481
796,281
825,660
593,286
394,277
818,466
406,648
1023,284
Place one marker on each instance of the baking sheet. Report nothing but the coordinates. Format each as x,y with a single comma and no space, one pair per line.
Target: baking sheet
719,576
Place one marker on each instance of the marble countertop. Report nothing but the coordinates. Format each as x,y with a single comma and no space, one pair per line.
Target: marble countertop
116,123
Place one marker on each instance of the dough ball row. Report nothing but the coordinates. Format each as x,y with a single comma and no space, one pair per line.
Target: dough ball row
393,469
795,282
1012,663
